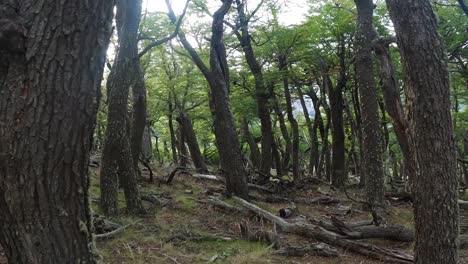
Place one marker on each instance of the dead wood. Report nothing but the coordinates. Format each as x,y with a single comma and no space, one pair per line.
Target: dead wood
331,238
324,199
288,211
223,205
148,167
318,249
273,239
389,232
174,172
220,179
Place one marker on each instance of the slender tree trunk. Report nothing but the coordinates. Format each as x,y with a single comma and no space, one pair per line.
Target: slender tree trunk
277,157
283,67
254,151
261,90
284,133
427,88
393,104
146,145
371,147
312,132
318,124
50,77
217,75
171,131
338,173
117,159
183,155
192,142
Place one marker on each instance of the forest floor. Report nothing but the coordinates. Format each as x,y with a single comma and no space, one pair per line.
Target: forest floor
188,230
184,229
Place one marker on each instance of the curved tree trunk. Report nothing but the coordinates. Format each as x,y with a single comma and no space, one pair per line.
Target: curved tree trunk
217,75
284,133
371,147
254,151
117,159
310,129
50,78
427,88
261,90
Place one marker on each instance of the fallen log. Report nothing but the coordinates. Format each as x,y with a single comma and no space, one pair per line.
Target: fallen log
219,179
390,232
324,199
328,237
319,249
223,205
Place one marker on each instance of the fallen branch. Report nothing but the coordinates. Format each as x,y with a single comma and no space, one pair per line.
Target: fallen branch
219,179
324,199
112,233
319,249
331,238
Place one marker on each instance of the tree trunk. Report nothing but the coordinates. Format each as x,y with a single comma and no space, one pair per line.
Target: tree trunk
335,94
392,100
283,67
138,110
284,133
427,88
50,78
371,147
183,155
318,124
192,142
217,76
171,131
117,159
312,132
261,90
254,151
146,145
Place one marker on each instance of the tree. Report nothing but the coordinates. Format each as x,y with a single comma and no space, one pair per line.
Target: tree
117,158
371,147
50,76
427,88
261,90
217,75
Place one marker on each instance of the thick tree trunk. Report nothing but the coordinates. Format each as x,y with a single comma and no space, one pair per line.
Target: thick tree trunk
50,77
138,111
192,142
427,88
117,159
371,147
283,67
261,90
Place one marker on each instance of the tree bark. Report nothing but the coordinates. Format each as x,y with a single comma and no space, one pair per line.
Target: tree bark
427,88
283,67
318,124
171,131
50,75
392,101
117,159
254,151
261,90
310,129
192,142
335,94
217,76
284,133
371,147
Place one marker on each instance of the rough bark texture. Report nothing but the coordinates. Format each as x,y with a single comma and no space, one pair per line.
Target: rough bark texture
49,92
427,88
117,159
371,147
261,90
217,76
171,131
138,111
